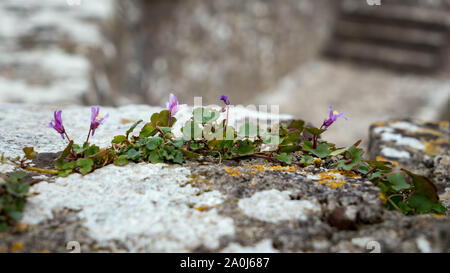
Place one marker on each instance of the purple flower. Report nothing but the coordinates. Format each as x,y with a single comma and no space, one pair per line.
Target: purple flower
225,99
332,118
56,123
172,106
96,119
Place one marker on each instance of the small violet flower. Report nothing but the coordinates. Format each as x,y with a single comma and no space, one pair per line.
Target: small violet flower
172,106
224,98
332,118
96,119
56,123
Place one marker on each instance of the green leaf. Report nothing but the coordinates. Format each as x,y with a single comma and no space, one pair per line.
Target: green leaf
284,157
162,119
398,181
147,130
194,146
246,148
297,124
438,208
154,143
178,143
289,148
129,131
121,161
248,130
64,165
205,115
65,173
178,157
165,130
420,202
306,160
92,150
15,176
291,138
30,154
423,186
189,154
85,164
66,152
118,139
338,151
155,158
14,214
315,131
356,159
17,189
2,226
383,187
133,154
322,150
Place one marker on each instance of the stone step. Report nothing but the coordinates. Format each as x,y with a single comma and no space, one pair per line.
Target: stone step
389,57
392,35
398,14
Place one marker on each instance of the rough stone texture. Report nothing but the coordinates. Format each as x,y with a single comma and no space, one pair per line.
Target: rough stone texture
200,206
422,147
45,57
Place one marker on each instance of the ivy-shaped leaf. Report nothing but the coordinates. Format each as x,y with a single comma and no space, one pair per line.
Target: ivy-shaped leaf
246,148
85,165
121,160
398,181
119,139
284,157
30,154
154,143
322,150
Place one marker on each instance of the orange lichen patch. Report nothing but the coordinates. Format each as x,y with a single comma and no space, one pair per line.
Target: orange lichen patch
17,246
336,184
382,197
252,184
349,174
43,251
332,178
429,132
438,216
432,146
443,123
379,123
443,197
233,172
263,168
202,208
355,185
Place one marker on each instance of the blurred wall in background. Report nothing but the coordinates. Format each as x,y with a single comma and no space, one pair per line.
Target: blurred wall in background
115,52
205,48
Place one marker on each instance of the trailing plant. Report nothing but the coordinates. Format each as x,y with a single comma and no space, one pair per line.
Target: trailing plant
12,199
204,135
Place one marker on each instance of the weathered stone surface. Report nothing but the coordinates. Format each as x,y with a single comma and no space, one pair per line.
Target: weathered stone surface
45,58
209,205
422,147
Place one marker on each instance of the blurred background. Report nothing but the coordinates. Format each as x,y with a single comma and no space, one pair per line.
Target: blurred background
371,62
